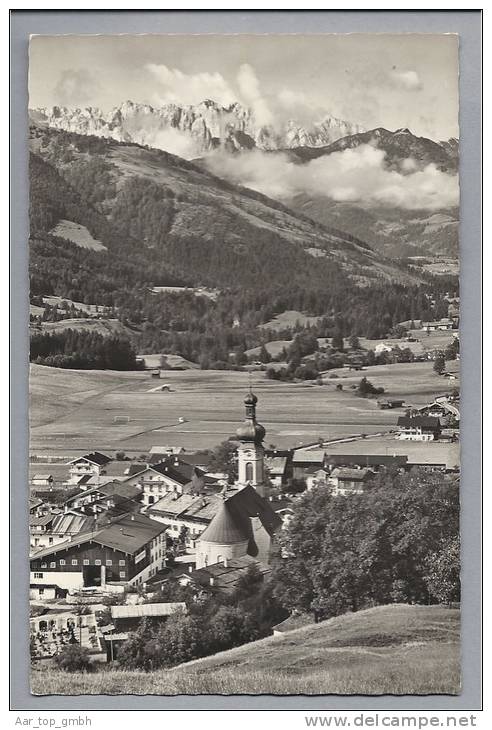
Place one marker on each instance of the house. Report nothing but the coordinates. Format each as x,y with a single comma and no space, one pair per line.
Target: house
346,481
318,477
42,480
186,515
164,451
127,618
55,527
445,323
442,409
45,592
127,551
171,475
385,403
418,428
37,506
223,577
304,460
276,468
84,467
111,496
383,347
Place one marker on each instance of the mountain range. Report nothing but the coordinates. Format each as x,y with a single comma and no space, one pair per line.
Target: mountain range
208,126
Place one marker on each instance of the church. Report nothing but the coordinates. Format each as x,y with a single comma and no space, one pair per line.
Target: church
245,522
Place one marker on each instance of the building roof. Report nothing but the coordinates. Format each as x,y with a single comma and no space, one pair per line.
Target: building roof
162,450
226,578
225,528
35,502
368,459
41,521
309,456
44,477
294,622
276,464
143,610
354,475
128,534
187,506
94,457
419,422
174,468
232,523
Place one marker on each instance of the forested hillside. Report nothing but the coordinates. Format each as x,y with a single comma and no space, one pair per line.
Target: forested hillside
166,223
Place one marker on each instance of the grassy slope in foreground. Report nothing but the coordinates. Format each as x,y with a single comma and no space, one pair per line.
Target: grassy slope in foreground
395,649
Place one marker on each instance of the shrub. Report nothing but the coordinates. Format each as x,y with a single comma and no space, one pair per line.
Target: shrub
74,658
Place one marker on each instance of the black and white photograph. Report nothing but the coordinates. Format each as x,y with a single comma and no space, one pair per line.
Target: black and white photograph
244,377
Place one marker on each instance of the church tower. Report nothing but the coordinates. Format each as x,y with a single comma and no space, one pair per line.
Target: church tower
250,451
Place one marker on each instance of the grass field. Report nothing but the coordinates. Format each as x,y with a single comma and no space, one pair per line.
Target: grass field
424,342
75,410
107,327
78,234
396,649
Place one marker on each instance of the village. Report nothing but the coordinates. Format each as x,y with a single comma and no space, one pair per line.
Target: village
110,534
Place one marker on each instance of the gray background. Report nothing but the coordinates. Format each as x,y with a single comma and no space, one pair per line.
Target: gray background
468,25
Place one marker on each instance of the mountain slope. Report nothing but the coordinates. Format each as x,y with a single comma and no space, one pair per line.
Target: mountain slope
206,229
398,146
207,125
395,649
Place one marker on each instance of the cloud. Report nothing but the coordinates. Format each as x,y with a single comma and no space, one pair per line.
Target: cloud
408,80
249,89
182,88
75,87
355,175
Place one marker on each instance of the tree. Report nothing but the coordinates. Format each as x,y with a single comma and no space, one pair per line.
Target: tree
365,387
354,342
264,355
337,341
439,364
74,658
347,553
443,572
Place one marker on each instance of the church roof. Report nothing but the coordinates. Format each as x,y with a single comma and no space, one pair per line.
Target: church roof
224,529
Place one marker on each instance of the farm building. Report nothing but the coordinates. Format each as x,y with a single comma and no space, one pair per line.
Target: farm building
42,480
385,403
276,468
346,481
125,552
418,428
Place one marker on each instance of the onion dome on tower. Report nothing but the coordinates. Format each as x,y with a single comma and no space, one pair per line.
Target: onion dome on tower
251,430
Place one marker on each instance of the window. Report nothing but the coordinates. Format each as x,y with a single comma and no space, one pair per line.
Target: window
109,562
122,562
122,574
38,575
62,562
249,472
44,565
50,541
41,591
97,562
53,564
75,561
86,562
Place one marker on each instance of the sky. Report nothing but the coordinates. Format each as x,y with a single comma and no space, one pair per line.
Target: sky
374,80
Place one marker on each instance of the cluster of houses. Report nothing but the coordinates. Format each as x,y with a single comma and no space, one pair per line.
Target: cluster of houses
126,527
